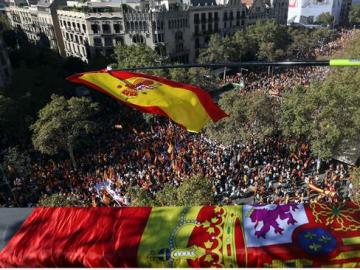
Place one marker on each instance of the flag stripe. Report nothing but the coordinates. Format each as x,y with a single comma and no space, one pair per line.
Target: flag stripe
186,105
76,78
74,237
213,111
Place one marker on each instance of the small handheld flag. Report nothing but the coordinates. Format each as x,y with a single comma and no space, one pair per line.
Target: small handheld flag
185,104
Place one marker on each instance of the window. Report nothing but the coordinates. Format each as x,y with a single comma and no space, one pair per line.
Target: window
203,17
178,36
106,28
73,25
210,17
117,28
78,25
76,39
97,41
108,41
119,40
225,16
196,29
196,18
95,28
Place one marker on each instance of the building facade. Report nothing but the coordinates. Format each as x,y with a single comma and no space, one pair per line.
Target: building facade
176,29
39,22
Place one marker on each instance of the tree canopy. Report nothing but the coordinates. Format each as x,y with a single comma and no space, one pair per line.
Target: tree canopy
327,114
61,200
354,13
195,190
251,116
61,123
325,18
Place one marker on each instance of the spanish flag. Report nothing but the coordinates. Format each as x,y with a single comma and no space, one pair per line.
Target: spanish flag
185,104
263,236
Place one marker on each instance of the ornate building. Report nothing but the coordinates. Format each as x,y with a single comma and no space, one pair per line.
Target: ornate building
175,29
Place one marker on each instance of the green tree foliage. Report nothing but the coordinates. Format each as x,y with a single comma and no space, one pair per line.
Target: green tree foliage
271,38
264,40
218,50
135,56
61,200
328,114
196,190
305,40
355,180
141,197
354,14
200,77
7,115
245,46
61,124
16,162
325,18
251,116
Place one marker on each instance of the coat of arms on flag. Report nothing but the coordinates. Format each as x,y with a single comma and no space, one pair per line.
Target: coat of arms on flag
272,224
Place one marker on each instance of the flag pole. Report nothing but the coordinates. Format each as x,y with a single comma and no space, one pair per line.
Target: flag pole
331,63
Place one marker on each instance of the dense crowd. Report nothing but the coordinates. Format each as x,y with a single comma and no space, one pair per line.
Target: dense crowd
279,80
147,156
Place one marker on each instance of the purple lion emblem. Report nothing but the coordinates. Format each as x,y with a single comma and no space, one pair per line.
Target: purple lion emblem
269,217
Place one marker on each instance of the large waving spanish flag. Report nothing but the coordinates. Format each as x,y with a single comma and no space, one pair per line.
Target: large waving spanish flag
185,104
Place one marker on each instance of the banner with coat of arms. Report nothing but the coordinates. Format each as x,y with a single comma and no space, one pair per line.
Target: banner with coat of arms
293,235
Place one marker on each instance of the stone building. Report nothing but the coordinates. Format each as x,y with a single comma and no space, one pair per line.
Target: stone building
176,29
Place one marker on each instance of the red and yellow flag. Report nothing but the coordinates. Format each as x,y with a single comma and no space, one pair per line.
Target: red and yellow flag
185,104
289,235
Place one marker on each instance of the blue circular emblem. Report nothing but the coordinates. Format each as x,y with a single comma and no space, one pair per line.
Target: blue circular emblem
317,241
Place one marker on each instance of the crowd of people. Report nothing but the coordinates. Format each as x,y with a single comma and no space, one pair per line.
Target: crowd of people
279,80
146,156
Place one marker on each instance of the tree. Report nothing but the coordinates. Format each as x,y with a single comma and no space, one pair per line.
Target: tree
354,14
327,114
196,190
218,50
271,35
7,114
17,162
251,116
200,77
245,46
62,200
135,56
325,18
140,197
355,180
61,124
